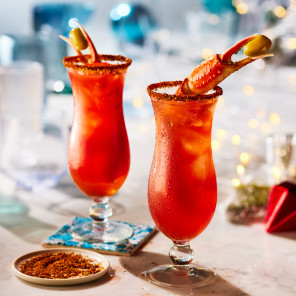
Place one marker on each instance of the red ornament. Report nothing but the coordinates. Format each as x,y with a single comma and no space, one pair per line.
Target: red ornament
281,208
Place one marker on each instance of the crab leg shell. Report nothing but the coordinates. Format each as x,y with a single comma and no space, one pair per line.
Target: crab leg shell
226,56
92,49
212,76
214,70
71,44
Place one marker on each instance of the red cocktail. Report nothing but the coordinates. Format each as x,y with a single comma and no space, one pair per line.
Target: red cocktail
182,190
99,155
182,184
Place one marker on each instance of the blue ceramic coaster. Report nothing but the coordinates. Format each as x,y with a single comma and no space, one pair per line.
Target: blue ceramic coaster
63,237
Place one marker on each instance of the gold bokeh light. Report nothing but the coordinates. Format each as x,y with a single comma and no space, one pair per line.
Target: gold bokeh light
280,11
221,134
274,119
236,140
240,169
235,182
265,128
248,90
253,123
244,158
206,53
276,172
216,145
242,8
291,43
138,103
214,19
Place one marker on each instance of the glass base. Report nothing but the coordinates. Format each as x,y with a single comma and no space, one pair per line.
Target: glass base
191,276
112,233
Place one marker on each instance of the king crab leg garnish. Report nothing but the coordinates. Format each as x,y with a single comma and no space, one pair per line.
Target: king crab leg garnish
80,40
215,69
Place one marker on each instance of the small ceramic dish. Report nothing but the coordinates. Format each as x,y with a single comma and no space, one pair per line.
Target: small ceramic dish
96,257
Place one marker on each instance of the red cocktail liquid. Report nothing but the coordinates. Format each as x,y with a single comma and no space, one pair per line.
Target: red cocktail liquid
98,155
182,189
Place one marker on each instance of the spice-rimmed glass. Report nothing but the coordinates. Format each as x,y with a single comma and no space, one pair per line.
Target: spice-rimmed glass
98,153
182,189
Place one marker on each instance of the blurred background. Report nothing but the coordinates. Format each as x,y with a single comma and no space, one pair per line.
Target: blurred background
166,39
191,29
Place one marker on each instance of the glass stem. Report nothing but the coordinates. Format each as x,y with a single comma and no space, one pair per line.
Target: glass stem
181,253
100,212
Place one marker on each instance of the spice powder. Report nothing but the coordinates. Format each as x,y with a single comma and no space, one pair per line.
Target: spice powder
60,265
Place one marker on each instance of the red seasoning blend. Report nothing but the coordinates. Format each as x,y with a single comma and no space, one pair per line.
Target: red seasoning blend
60,265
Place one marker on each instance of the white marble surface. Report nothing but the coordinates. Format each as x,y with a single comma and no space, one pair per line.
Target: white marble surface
248,261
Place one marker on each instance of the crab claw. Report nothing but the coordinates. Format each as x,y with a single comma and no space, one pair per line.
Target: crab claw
226,56
71,44
92,49
214,70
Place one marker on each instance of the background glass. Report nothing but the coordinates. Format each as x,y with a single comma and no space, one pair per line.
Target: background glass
281,157
22,91
34,158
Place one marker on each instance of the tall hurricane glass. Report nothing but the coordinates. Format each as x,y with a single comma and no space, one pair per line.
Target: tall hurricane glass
98,154
182,189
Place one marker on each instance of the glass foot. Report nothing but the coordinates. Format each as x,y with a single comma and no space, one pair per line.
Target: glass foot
170,276
112,233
